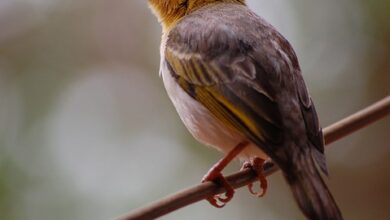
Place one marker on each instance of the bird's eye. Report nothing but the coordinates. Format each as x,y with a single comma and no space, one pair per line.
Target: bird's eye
184,3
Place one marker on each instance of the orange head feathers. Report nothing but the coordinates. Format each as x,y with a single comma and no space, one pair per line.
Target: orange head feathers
169,12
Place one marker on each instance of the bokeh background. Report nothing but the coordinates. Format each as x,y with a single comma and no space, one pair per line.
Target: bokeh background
88,132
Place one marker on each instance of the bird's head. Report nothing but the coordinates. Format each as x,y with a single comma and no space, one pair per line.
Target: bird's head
169,12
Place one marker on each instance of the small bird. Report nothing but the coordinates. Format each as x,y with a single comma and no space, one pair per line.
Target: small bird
236,84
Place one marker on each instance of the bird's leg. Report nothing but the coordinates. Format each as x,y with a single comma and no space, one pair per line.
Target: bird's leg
256,164
215,175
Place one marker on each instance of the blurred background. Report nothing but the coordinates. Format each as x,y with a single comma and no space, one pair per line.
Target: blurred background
88,132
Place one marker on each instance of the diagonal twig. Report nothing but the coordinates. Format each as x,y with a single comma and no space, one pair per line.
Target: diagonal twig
201,191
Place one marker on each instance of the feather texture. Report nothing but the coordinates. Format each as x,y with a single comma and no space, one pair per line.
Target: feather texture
242,81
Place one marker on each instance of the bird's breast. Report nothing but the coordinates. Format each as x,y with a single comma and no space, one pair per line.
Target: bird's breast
199,121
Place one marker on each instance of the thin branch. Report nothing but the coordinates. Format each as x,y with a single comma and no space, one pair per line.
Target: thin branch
201,191
357,121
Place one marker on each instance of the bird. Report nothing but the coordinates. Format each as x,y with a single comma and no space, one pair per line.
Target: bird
237,86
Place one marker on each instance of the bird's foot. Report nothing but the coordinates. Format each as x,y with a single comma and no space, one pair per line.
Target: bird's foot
215,176
216,200
256,164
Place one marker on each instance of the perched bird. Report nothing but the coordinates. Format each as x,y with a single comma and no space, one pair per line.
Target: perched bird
237,86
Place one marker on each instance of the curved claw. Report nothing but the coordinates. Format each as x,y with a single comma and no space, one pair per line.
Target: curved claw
215,175
228,195
257,166
214,202
258,194
219,179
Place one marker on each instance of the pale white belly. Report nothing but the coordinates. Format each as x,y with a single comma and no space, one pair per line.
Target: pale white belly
202,124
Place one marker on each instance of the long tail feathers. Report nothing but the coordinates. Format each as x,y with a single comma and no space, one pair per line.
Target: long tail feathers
310,191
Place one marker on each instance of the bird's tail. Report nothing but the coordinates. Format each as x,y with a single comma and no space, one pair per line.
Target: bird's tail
310,191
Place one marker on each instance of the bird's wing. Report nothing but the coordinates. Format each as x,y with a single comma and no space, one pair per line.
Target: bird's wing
232,86
313,128
239,75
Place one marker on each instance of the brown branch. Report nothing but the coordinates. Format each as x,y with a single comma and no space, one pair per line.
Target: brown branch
201,191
